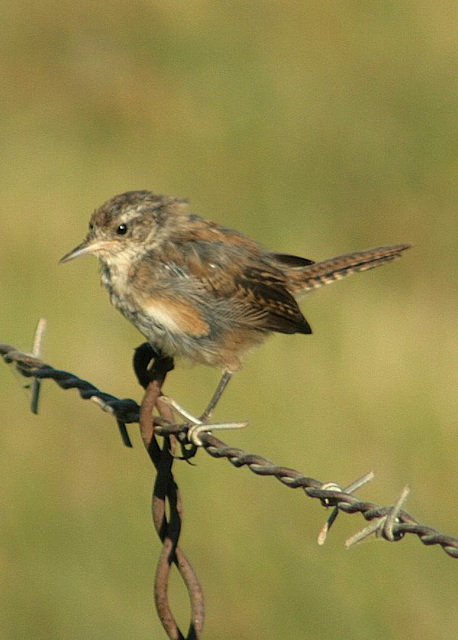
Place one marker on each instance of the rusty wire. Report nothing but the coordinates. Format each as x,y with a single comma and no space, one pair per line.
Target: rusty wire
391,523
166,493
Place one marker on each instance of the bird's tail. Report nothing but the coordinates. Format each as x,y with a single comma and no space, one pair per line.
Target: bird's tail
304,279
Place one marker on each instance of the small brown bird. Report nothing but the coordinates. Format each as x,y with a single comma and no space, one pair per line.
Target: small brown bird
198,290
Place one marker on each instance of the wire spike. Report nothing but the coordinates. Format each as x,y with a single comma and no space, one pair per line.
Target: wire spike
354,486
36,352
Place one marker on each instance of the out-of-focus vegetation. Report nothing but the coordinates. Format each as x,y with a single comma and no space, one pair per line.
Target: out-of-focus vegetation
318,128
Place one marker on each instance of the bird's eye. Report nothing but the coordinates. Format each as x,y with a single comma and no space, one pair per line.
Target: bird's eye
121,230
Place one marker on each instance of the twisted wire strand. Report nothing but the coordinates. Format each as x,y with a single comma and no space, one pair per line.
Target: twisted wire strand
128,412
125,411
166,493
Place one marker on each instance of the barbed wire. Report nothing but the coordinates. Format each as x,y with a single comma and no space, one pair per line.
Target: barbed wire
391,523
127,411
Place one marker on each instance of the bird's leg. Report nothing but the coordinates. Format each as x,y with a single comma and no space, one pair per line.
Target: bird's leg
227,375
201,424
207,414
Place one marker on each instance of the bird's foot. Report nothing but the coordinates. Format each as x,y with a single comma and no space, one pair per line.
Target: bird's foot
195,427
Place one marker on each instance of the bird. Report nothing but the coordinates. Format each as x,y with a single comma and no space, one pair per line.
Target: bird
201,291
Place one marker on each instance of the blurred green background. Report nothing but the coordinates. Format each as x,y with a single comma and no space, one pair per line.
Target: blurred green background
319,128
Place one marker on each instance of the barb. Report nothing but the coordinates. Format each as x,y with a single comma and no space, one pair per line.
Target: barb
128,411
36,352
354,486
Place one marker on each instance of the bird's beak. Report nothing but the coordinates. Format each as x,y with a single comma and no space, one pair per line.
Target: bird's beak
83,249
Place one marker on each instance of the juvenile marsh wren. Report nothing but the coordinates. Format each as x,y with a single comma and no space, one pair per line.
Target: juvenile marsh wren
198,290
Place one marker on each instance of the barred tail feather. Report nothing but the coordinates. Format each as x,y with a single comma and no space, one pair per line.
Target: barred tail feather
320,273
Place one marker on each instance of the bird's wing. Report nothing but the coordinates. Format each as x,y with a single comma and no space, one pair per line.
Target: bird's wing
261,291
257,290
